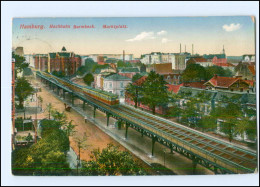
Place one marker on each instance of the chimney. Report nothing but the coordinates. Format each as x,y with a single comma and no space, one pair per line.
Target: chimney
215,76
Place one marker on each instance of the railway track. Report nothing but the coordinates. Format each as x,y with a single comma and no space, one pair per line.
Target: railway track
217,148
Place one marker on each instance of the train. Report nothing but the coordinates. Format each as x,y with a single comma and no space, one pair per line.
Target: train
102,96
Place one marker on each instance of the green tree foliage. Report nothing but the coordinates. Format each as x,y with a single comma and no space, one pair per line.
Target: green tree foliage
88,79
60,74
136,77
111,161
207,123
81,70
218,70
98,67
47,156
154,91
23,89
20,64
194,72
89,64
122,64
176,112
133,91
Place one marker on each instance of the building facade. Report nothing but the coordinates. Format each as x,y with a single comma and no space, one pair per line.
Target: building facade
66,62
116,84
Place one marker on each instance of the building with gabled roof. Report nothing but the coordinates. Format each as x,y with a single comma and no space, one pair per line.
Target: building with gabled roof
227,83
67,62
116,84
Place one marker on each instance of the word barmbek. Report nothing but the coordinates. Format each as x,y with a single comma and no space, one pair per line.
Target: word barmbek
74,26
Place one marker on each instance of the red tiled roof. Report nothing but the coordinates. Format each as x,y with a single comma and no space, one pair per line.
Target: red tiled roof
196,84
174,88
250,82
165,68
200,59
218,81
251,69
225,64
140,81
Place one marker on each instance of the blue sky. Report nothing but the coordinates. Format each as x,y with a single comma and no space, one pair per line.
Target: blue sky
143,35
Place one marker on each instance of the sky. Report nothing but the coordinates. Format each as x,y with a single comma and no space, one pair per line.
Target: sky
142,35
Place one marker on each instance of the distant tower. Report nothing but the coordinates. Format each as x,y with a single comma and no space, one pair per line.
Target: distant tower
63,49
123,55
223,50
192,49
180,48
185,48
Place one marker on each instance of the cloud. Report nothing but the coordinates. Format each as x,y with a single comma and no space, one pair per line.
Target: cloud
162,32
231,27
165,40
142,36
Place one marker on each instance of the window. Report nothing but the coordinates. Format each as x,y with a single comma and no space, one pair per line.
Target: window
121,93
110,84
122,84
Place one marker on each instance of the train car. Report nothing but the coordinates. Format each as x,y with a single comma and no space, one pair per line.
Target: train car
102,96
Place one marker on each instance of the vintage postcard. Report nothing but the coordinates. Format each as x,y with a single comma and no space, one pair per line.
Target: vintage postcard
134,96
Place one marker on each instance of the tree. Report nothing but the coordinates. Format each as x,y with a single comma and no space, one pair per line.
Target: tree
60,74
81,70
89,64
111,161
49,108
241,126
81,144
136,77
228,114
133,91
23,89
40,100
218,70
208,123
176,112
194,72
20,64
69,128
88,79
154,91
59,116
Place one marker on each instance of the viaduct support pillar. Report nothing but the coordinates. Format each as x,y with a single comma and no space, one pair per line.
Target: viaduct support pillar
108,119
126,129
94,114
84,105
194,166
72,99
63,94
153,142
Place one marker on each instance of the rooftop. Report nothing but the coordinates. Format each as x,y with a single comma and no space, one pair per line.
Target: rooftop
116,77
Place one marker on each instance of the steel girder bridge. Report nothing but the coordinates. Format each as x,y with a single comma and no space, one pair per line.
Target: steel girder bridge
217,155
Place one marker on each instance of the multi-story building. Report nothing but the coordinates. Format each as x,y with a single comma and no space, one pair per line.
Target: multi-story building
179,63
199,60
41,62
64,61
128,72
246,70
116,84
248,58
